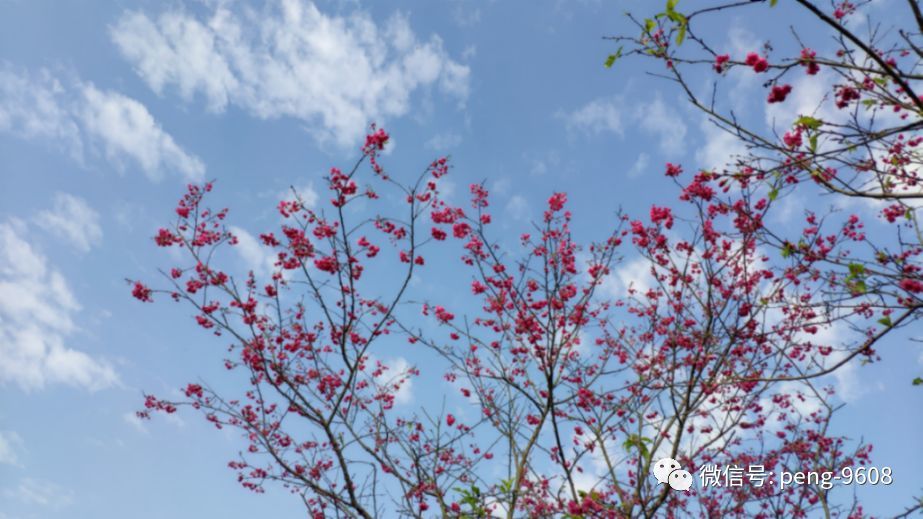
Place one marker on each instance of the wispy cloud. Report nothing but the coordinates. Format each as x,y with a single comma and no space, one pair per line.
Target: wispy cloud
126,129
399,367
132,419
518,208
444,141
720,147
287,60
73,219
35,492
36,106
85,121
598,116
640,166
613,114
257,257
306,194
10,446
657,119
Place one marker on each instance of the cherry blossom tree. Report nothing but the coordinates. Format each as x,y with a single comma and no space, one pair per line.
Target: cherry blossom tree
574,386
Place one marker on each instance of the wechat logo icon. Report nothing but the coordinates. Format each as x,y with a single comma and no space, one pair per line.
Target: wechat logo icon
667,470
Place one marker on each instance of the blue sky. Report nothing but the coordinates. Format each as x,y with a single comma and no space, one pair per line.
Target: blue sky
108,108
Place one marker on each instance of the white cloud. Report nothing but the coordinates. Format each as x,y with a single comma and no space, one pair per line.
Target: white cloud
465,15
306,193
741,41
743,86
788,207
595,471
656,118
178,49
124,127
640,166
469,53
10,444
175,420
804,401
399,367
740,89
848,382
446,188
597,116
31,491
397,370
34,108
609,115
501,186
258,258
36,316
808,97
518,208
72,219
634,274
444,141
850,385
84,120
131,418
543,162
720,147
335,73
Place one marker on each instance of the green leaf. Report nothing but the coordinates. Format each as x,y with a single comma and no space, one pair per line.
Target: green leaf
649,25
856,270
918,381
773,194
613,57
811,123
858,287
472,498
638,442
812,142
772,3
885,321
787,250
678,18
